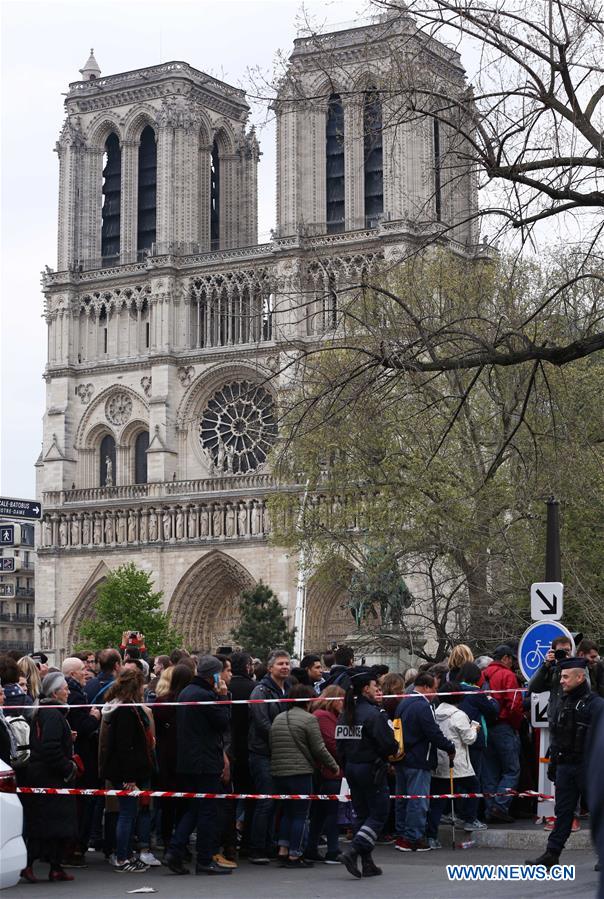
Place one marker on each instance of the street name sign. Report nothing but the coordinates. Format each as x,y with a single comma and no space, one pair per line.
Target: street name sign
539,707
546,601
20,508
535,643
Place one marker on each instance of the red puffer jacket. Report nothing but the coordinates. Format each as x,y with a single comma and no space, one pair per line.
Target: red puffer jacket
510,704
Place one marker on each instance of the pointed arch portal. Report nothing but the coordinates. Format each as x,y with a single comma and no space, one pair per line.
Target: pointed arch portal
205,604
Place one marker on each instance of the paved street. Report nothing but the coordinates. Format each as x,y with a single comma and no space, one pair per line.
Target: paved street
416,876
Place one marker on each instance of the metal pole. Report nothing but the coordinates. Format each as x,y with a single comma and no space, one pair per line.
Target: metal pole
553,568
300,611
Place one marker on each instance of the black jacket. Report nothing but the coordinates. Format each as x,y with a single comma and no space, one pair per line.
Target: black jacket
200,730
369,739
421,733
50,765
571,731
86,727
263,714
241,687
96,685
339,676
125,751
480,707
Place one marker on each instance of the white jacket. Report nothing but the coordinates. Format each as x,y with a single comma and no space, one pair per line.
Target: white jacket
456,726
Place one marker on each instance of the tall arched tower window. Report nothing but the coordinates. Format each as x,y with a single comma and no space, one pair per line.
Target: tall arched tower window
147,190
112,188
141,445
374,167
215,198
334,171
107,461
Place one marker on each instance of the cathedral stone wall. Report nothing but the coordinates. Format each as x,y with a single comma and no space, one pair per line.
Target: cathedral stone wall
165,356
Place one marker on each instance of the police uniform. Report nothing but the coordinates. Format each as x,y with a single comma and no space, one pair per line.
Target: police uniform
364,747
569,734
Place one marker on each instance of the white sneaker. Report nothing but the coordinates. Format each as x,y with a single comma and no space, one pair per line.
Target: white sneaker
112,859
148,858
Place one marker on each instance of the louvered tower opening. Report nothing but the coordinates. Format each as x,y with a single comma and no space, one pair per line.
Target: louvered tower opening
215,198
374,166
112,188
335,165
147,191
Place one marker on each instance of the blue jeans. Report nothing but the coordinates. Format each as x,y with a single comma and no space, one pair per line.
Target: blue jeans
410,814
294,812
128,809
501,766
262,829
324,818
468,808
201,814
371,802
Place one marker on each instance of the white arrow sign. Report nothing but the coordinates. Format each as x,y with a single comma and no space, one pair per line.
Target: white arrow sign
539,707
546,601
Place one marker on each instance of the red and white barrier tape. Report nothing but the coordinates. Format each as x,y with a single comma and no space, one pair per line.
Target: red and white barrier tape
88,705
335,797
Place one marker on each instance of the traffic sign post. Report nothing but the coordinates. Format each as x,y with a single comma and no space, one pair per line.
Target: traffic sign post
7,564
536,642
20,508
546,601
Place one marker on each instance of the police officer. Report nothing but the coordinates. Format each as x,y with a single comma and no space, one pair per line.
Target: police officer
365,739
578,710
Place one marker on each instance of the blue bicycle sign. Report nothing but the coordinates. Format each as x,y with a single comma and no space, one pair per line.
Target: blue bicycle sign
536,642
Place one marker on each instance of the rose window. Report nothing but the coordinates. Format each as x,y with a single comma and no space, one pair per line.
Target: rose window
118,409
238,427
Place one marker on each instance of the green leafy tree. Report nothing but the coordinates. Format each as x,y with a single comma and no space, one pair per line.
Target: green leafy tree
127,601
263,625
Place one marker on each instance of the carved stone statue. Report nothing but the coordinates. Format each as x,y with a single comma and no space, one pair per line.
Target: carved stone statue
230,457
242,520
86,530
204,524
45,627
230,521
192,522
63,533
167,525
266,522
108,472
109,532
152,526
143,527
47,532
131,527
75,531
220,456
217,522
180,525
121,527
257,519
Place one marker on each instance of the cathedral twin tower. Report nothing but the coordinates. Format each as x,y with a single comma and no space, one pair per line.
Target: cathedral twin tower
168,322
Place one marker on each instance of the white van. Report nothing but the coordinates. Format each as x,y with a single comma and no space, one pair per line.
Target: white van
13,855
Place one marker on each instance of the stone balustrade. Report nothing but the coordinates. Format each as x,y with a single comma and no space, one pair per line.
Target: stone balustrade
190,487
160,524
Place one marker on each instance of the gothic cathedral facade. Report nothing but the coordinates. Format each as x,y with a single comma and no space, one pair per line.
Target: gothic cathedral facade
168,322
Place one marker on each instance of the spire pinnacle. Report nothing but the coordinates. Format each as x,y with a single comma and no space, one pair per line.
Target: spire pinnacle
91,70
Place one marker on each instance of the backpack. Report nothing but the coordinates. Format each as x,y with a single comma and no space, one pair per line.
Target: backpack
397,728
19,728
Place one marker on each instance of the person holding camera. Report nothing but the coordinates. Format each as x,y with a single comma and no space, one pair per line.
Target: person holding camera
547,677
200,731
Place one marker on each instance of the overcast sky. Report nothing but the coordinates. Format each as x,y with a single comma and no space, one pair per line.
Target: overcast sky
43,46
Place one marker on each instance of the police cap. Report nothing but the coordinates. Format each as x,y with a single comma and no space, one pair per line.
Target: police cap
576,662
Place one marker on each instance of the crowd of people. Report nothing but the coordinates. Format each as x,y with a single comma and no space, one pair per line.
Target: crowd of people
117,719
